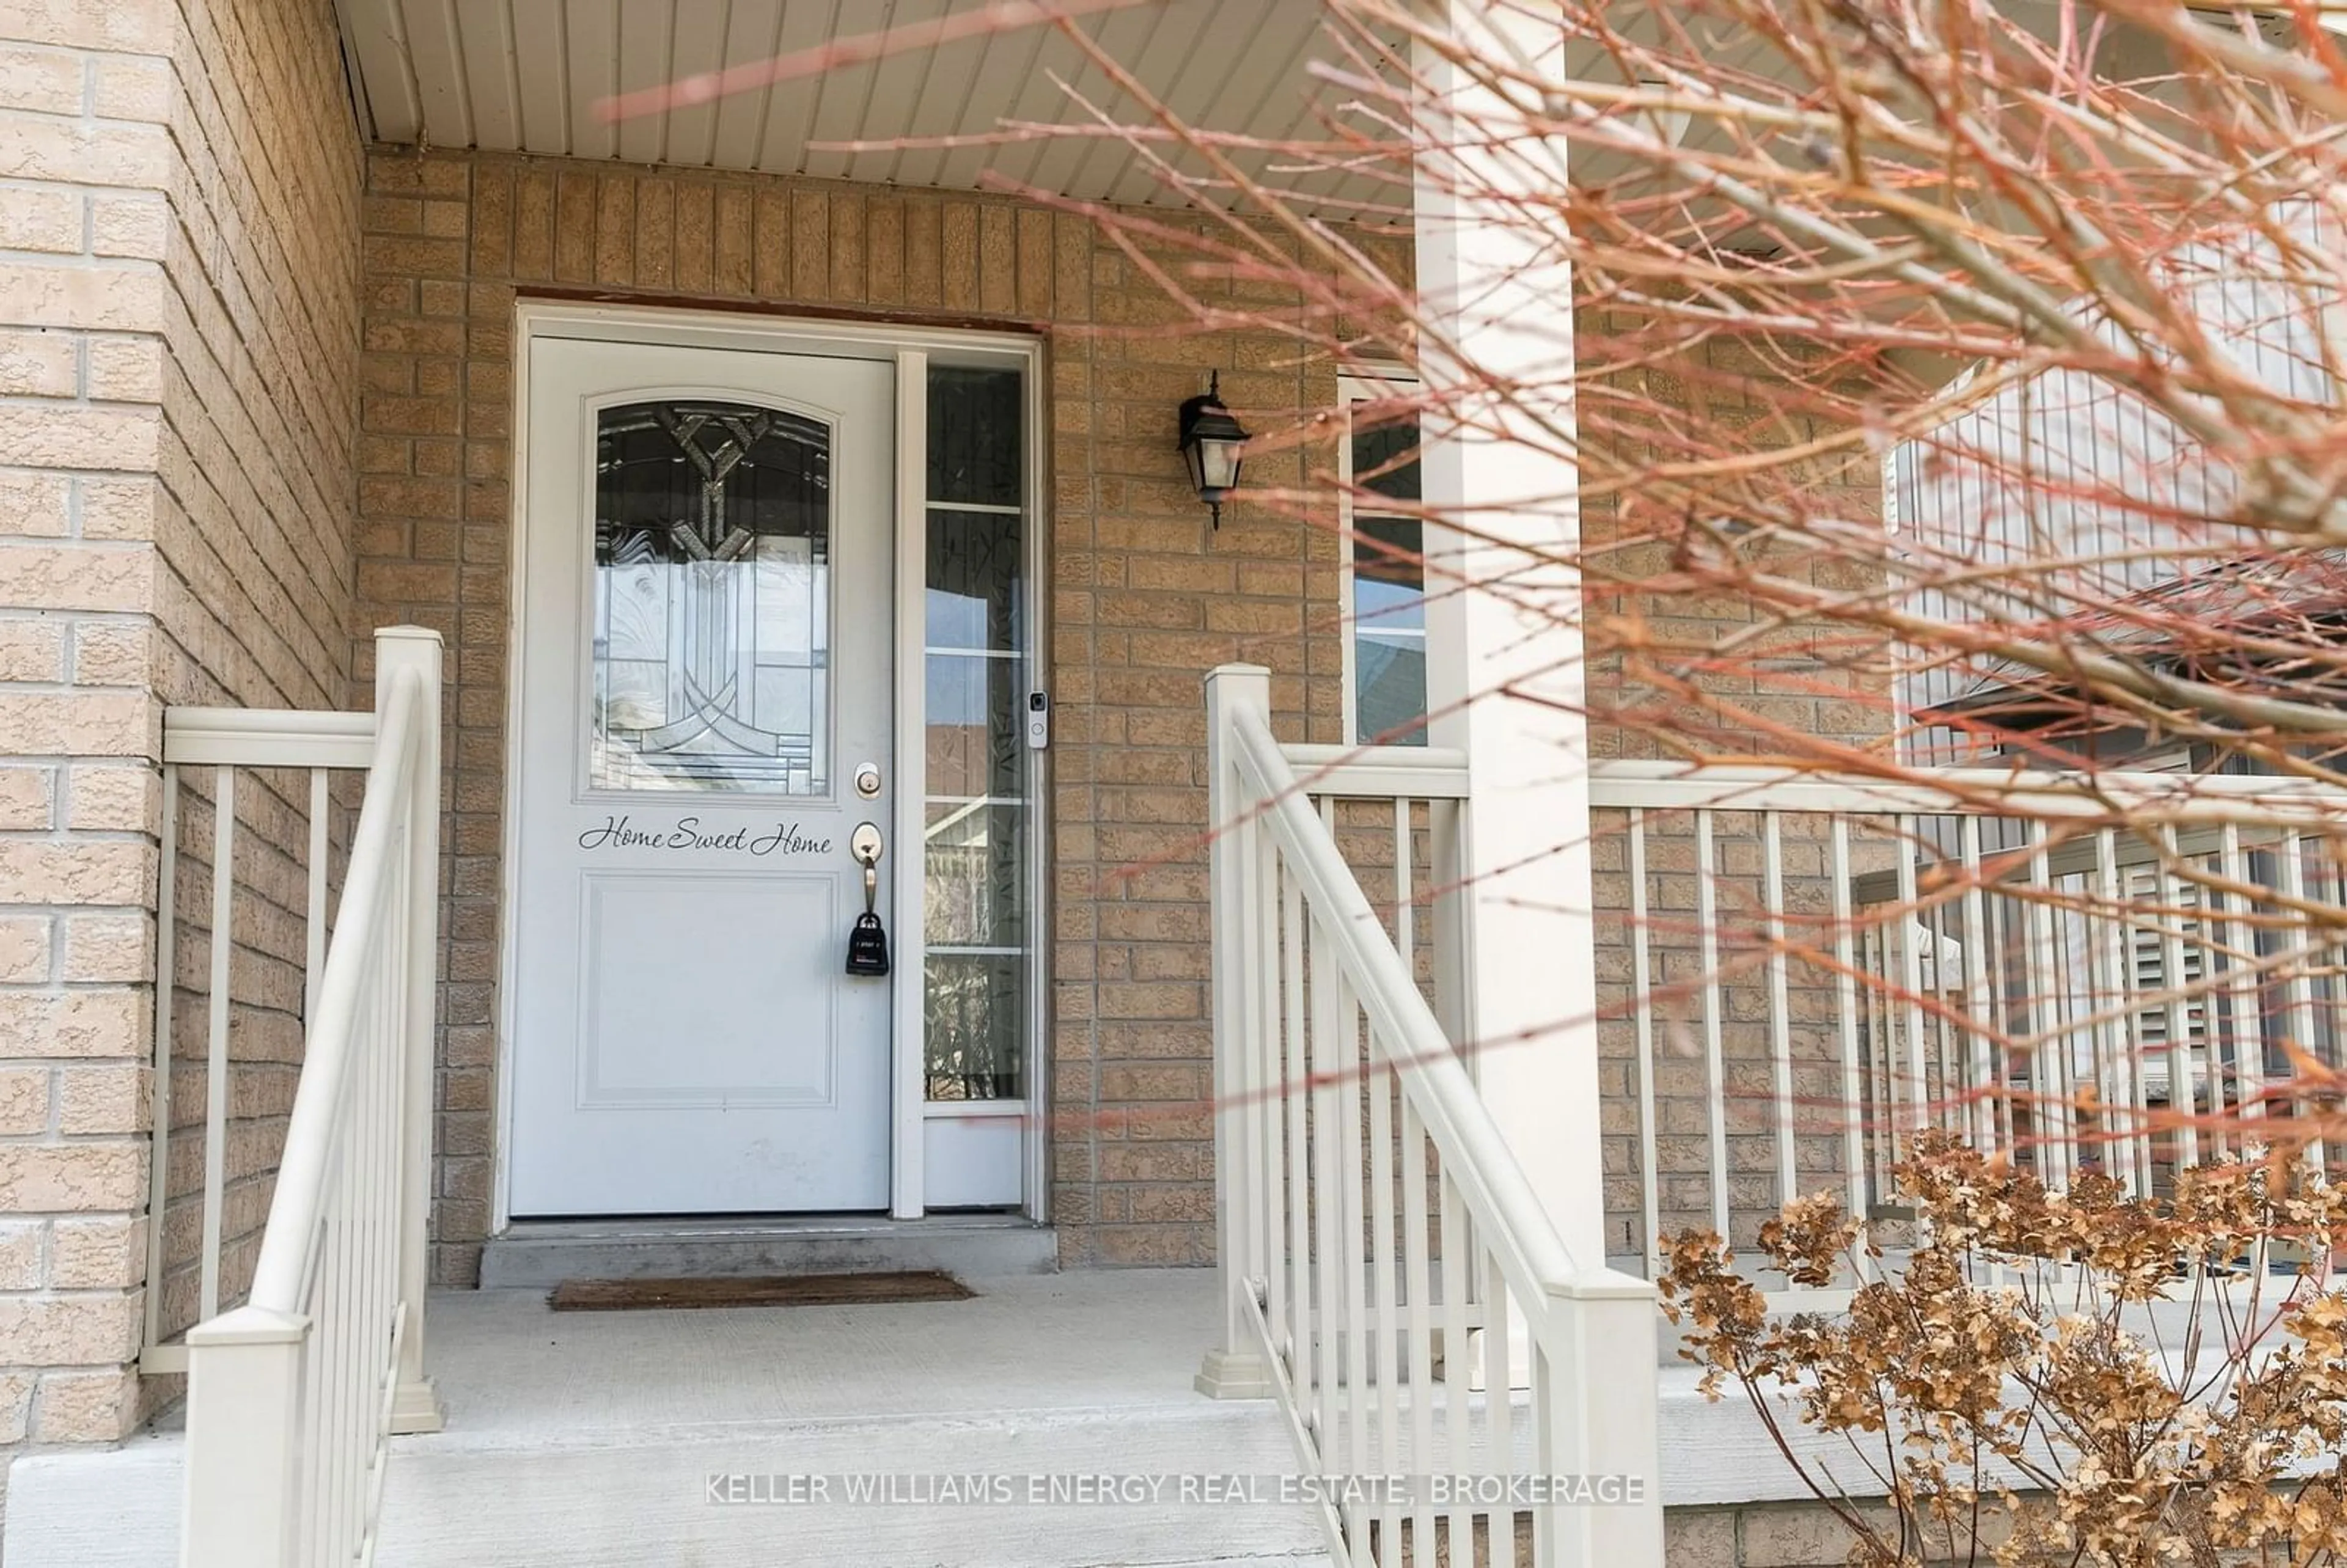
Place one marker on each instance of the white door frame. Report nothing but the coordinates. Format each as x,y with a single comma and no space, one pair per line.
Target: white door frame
911,348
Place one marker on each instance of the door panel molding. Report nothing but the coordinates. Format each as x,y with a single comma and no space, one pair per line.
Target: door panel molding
698,888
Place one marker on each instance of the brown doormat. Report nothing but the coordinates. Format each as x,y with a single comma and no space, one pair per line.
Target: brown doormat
756,1290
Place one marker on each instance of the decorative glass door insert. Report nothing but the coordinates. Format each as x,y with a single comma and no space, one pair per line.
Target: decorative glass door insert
712,637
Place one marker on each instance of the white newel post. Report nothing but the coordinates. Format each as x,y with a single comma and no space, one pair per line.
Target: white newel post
416,1405
1234,1368
1504,678
1607,1420
244,1395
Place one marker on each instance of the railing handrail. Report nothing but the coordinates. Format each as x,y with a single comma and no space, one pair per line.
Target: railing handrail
1511,1218
2213,798
1380,772
280,1276
268,737
1388,1272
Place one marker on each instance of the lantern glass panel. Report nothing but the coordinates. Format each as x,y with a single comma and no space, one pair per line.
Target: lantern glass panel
1218,464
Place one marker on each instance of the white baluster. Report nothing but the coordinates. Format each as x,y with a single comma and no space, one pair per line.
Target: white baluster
1456,1355
1642,1001
2183,1061
1780,1025
1383,1313
1853,1152
1984,1072
1714,1069
1419,1317
216,1040
2249,1023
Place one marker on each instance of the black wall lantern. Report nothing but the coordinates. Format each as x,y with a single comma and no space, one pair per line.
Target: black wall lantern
1210,443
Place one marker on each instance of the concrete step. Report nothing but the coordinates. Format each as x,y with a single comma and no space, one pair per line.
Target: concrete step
589,1438
541,1253
615,1499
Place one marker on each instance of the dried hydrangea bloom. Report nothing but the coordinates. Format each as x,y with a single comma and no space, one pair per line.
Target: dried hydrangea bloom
2017,1387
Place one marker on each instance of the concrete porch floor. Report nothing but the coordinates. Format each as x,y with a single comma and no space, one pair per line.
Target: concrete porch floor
1101,1339
589,1439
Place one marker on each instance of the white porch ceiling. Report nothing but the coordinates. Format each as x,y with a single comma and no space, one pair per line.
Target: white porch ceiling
527,76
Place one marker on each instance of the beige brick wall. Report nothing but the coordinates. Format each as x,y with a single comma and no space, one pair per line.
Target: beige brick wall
178,338
1814,681
189,425
1805,1534
1762,1535
1145,598
206,374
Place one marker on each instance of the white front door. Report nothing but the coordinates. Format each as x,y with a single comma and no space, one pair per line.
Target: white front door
705,719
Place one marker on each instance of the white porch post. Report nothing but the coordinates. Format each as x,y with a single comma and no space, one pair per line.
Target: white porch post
416,1405
1504,675
1505,683
1234,1367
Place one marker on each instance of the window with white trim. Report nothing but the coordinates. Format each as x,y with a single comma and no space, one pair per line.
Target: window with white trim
1384,556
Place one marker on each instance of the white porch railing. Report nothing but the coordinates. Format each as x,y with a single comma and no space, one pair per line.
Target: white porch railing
291,1397
1804,971
1390,1278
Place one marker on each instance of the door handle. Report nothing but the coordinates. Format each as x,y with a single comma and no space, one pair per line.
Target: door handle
867,942
866,845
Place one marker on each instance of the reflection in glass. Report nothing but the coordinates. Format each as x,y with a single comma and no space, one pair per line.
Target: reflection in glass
973,585
975,1007
977,446
977,876
974,746
712,535
1385,459
1388,632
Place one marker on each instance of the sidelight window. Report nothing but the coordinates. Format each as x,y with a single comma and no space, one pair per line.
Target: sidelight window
977,607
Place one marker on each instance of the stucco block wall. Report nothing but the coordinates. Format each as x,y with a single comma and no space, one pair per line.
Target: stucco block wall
178,364
1145,598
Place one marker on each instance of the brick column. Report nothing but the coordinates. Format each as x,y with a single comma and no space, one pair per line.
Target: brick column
179,191
84,95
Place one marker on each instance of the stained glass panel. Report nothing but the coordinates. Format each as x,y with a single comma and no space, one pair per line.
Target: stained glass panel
713,548
974,587
1385,459
974,743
